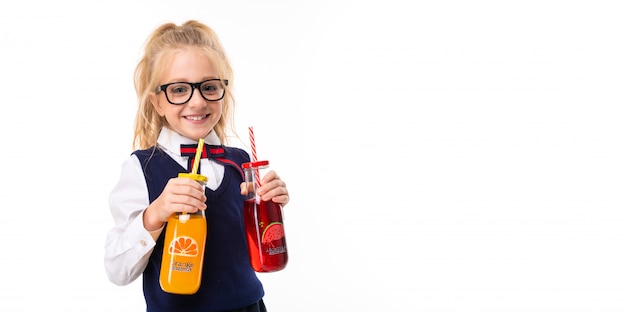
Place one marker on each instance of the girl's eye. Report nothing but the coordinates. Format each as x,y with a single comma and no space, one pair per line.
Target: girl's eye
209,88
178,89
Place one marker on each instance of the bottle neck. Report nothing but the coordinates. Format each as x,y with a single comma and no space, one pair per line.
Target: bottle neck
253,180
197,213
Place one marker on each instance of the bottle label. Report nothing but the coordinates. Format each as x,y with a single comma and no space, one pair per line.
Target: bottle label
181,266
276,250
183,246
272,237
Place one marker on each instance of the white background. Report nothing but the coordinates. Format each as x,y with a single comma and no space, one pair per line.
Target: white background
440,155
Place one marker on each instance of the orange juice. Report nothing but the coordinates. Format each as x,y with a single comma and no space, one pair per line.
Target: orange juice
183,249
183,254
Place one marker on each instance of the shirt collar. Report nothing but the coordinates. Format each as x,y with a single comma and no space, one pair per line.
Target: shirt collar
171,140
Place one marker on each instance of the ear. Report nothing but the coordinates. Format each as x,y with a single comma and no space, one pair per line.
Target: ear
154,99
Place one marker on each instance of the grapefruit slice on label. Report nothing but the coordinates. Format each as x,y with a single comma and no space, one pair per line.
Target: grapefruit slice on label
184,246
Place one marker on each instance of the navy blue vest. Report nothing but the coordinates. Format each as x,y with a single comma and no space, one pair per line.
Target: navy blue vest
228,280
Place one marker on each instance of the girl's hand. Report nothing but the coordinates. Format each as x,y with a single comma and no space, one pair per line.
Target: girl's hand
179,195
272,187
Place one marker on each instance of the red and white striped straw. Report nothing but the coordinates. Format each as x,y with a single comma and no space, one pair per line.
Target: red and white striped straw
257,179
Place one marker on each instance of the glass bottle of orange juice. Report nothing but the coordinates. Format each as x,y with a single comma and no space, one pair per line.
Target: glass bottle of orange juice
183,250
263,223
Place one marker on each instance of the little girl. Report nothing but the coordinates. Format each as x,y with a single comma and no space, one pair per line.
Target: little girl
183,83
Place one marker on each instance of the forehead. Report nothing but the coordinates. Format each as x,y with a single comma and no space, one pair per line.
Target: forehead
189,64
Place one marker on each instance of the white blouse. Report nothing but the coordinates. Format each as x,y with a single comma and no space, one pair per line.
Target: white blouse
128,244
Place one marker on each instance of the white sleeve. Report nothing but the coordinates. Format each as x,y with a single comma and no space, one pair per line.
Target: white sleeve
128,244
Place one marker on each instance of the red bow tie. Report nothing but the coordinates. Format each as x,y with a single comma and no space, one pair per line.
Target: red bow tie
214,151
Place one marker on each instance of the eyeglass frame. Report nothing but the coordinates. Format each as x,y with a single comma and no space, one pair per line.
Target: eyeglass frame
194,86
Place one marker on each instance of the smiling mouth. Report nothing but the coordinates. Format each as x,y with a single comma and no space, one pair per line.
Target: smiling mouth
196,117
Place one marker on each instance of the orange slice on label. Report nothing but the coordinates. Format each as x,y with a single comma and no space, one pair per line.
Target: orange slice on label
184,246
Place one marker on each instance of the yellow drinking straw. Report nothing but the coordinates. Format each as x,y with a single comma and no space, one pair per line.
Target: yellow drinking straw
196,161
194,173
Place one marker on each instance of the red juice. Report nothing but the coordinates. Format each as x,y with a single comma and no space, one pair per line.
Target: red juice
267,247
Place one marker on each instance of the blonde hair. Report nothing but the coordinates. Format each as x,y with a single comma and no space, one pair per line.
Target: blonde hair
159,51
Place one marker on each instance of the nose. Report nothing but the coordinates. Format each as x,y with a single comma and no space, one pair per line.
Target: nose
196,98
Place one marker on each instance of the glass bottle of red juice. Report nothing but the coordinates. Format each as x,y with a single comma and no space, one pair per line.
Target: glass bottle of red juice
263,222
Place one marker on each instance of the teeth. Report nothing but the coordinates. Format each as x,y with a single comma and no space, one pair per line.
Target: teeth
195,117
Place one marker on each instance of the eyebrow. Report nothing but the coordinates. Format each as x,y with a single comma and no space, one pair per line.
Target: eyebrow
187,80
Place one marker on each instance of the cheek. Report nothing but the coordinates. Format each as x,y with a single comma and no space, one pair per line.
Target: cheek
173,111
156,103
